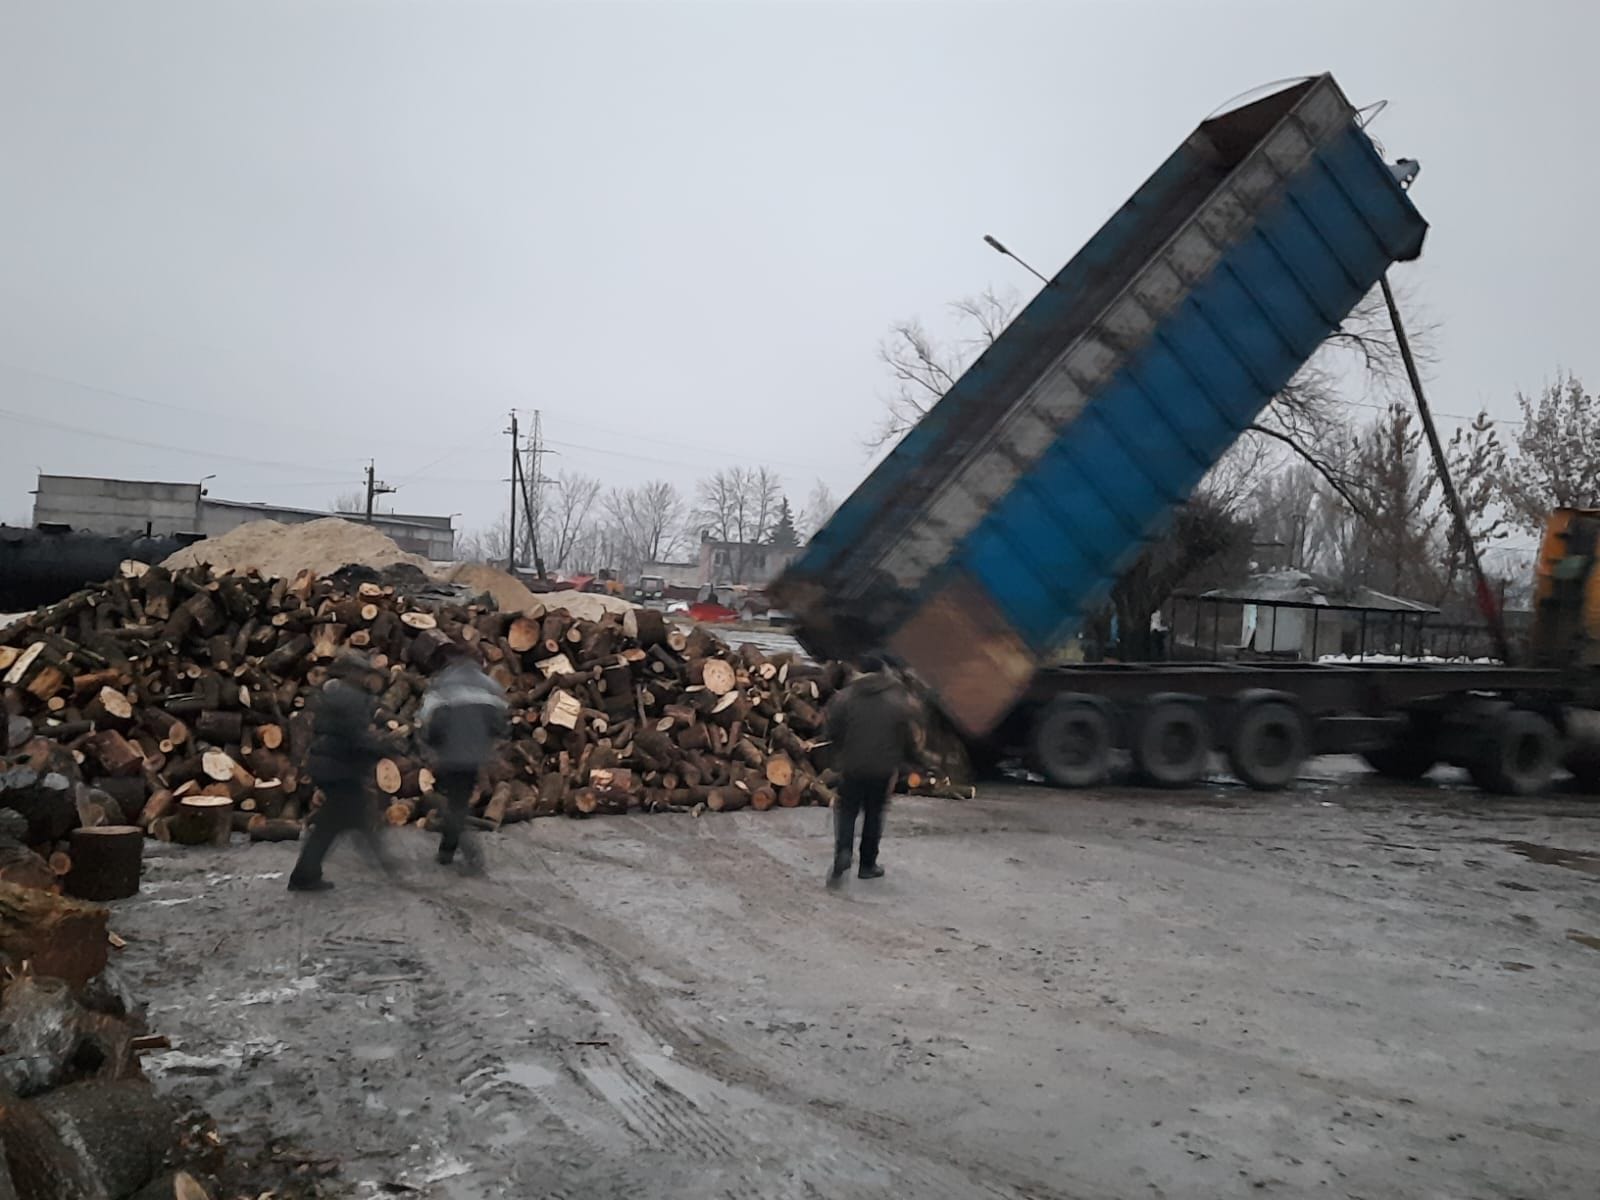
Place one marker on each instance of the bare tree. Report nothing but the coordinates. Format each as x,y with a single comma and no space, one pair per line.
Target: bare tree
1555,457
819,507
645,523
349,502
568,510
739,506
487,545
924,368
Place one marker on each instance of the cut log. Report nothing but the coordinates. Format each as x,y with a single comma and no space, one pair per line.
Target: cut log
106,863
46,801
524,634
389,776
419,620
219,766
718,677
203,820
270,736
265,829
160,804
427,648
780,770
61,937
219,728
23,663
89,1141
114,754
24,868
563,709
646,626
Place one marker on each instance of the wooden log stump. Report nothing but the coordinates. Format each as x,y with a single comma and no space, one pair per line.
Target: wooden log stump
106,863
202,821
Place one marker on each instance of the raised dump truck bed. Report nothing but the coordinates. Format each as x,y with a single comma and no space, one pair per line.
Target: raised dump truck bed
974,549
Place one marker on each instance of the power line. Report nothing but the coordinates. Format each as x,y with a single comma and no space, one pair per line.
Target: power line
208,454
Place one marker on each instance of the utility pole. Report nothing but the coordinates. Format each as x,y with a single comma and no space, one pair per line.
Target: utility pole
533,481
375,488
516,487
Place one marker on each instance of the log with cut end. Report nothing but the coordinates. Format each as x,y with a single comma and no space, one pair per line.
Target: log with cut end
24,868
116,704
780,770
219,766
161,803
647,626
61,937
389,776
203,820
727,799
106,863
563,709
718,677
525,633
270,736
419,620
427,649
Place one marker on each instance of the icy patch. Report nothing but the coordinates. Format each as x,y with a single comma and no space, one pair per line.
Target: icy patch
226,1061
278,995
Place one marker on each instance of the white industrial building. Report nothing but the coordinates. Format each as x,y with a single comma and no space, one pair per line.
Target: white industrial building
134,506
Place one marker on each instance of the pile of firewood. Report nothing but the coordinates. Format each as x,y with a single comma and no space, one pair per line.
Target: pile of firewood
182,701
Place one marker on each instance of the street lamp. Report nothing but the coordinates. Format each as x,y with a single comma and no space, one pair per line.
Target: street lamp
1000,248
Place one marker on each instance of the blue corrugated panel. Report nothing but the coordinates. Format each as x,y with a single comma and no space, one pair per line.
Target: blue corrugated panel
1059,540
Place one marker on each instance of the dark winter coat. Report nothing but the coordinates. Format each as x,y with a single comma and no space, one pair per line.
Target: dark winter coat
463,715
344,748
873,729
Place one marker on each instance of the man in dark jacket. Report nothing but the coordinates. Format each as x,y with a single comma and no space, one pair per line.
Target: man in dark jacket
463,715
873,731
344,751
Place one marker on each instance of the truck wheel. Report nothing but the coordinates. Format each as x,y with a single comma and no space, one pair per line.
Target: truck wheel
1410,756
1171,743
1072,743
1519,754
1269,743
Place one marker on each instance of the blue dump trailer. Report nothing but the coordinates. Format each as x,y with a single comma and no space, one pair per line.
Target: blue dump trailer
976,548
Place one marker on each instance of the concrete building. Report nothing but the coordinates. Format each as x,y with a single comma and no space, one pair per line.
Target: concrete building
137,506
747,564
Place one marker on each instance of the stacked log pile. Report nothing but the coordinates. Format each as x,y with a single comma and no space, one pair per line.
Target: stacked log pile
182,702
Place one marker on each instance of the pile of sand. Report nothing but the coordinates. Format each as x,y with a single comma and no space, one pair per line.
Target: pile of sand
586,606
509,594
285,550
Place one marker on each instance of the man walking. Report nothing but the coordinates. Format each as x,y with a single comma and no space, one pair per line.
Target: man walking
344,751
871,727
463,715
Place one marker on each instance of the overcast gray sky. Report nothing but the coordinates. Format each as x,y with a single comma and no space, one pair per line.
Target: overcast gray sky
269,240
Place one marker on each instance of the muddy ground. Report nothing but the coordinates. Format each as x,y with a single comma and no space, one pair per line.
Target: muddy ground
1339,991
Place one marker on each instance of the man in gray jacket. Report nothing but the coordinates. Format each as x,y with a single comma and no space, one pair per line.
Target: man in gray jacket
463,715
873,730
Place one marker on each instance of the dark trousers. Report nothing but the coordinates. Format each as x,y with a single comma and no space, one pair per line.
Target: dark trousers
456,788
869,796
344,810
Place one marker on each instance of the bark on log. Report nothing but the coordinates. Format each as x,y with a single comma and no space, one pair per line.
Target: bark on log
265,829
61,937
88,1141
106,863
203,820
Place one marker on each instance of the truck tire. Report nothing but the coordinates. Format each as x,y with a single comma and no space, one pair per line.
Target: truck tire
1518,756
1410,755
1270,741
1171,743
1071,742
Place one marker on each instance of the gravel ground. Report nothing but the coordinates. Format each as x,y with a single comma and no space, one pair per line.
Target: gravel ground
1338,991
